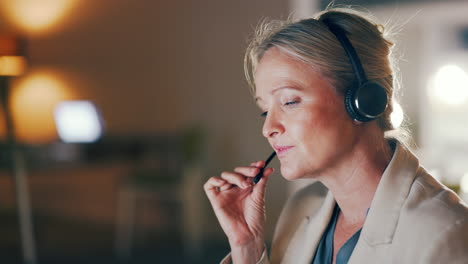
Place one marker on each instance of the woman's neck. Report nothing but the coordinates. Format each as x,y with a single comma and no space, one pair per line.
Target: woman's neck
354,181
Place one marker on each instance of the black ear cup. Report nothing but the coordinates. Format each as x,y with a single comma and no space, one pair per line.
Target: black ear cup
370,100
350,106
367,102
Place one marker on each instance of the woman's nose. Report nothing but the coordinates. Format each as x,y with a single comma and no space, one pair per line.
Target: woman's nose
272,126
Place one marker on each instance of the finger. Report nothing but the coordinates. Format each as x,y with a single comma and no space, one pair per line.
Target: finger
260,187
266,173
213,185
258,164
247,171
236,179
225,187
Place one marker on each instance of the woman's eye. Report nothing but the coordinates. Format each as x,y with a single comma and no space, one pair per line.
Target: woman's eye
264,114
291,103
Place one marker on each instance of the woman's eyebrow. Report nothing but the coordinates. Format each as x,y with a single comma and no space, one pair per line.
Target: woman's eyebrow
258,98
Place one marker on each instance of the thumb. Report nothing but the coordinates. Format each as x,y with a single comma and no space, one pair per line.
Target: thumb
260,187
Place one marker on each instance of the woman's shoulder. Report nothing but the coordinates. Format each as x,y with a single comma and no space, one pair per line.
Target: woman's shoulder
425,199
433,213
433,223
429,199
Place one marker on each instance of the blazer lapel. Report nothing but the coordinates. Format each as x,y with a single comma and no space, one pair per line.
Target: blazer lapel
305,241
391,194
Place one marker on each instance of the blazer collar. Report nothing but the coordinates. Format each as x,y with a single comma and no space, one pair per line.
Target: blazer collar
307,237
391,194
381,220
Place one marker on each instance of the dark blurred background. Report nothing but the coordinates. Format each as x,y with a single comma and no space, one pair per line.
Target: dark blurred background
115,113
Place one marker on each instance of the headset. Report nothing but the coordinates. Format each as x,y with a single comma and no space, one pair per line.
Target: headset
364,100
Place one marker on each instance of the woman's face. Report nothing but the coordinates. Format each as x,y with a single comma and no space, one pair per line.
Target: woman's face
306,122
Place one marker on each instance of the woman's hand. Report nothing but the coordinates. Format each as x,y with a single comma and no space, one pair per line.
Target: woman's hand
239,206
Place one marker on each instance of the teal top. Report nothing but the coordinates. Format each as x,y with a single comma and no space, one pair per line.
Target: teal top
324,253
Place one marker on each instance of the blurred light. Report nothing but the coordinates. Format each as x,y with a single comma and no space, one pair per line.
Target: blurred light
396,117
36,15
10,45
77,122
464,183
34,97
12,65
451,85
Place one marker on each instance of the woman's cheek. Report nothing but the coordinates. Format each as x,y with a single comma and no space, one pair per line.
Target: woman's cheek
310,119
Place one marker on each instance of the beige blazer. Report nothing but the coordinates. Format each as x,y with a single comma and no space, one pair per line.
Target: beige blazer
412,219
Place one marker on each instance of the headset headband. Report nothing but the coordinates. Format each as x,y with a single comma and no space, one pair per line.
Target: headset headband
340,34
364,100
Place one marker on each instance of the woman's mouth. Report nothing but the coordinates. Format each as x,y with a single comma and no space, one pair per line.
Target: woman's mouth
281,150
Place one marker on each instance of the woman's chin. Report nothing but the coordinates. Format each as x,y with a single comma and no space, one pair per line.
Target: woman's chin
290,174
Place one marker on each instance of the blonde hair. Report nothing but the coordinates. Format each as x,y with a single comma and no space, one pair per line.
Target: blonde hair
310,41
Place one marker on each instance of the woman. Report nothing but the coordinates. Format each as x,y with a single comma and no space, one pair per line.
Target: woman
382,206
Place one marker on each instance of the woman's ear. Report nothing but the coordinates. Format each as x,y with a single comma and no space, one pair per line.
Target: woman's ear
358,123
